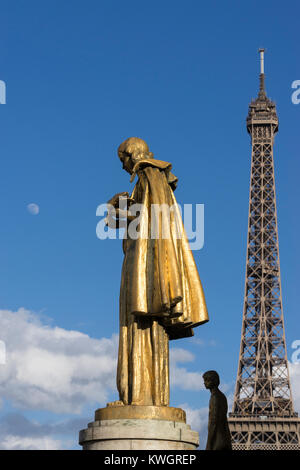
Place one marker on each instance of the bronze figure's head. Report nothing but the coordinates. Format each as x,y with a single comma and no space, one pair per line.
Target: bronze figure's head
211,379
132,150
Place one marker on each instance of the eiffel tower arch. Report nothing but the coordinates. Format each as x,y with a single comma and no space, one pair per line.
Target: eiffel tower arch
263,415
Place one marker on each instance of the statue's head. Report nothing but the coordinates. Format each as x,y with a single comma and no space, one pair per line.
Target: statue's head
211,379
132,150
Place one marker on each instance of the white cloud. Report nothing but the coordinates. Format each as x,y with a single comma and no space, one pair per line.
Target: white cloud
19,432
30,443
201,342
50,368
180,376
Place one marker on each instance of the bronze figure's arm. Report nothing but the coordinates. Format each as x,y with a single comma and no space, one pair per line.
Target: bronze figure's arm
116,216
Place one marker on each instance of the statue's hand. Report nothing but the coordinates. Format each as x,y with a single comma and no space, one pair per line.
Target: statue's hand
117,210
114,201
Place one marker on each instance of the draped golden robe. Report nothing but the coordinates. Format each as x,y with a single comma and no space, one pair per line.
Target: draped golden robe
161,295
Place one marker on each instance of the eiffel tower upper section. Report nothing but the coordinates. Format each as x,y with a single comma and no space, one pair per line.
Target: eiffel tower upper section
262,119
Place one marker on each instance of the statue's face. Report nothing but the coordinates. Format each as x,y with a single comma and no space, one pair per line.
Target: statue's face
127,163
210,382
207,382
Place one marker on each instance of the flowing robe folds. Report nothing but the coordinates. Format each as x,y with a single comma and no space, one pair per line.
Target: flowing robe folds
161,295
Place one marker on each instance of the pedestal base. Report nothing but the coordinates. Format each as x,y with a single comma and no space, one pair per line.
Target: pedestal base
138,434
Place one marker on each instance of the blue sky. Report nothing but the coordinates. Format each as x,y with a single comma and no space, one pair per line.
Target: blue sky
81,77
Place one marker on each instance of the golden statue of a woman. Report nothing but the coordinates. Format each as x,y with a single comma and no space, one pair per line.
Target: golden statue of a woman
161,296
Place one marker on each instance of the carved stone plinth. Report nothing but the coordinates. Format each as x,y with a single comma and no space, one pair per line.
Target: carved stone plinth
150,428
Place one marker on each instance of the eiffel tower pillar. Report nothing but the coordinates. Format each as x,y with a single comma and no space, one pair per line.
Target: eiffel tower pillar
263,415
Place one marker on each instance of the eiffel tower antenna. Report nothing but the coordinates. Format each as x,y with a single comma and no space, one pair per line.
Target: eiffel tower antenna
262,58
263,415
262,90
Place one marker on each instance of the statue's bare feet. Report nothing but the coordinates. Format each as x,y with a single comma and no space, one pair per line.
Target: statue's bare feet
115,403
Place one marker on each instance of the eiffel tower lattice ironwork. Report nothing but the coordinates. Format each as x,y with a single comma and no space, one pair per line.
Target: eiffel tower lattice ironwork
263,415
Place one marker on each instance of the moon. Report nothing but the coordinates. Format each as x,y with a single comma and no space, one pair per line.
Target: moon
33,208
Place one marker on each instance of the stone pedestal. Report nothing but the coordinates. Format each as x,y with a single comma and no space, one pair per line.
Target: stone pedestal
149,428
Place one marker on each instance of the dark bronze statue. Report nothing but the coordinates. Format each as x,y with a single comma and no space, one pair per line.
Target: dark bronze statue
218,431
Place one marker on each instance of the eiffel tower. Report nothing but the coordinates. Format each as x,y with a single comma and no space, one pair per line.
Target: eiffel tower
263,416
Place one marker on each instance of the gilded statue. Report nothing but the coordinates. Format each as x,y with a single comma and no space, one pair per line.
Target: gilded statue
161,296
